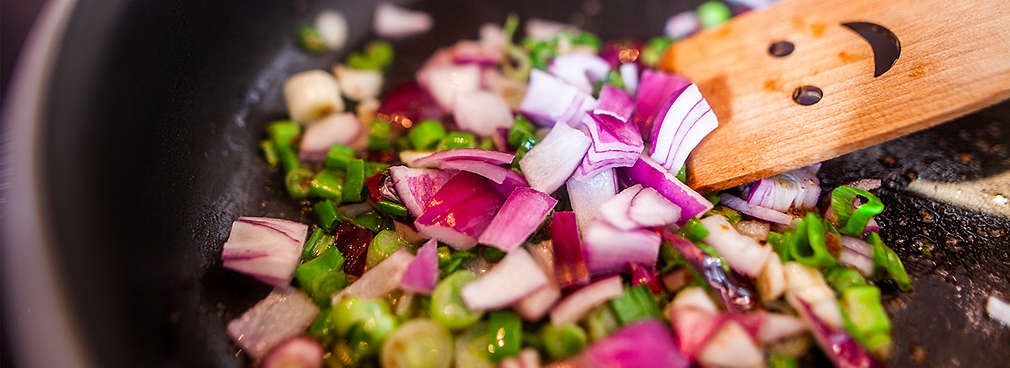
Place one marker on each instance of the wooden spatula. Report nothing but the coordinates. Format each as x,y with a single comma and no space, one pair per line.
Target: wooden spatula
954,59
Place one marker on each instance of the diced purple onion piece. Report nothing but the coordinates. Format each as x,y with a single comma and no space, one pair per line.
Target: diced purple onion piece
493,172
513,278
615,143
411,101
521,214
569,261
549,164
479,53
579,70
755,211
586,195
265,248
476,154
644,344
481,112
549,100
857,261
283,314
415,187
513,181
614,102
650,174
778,326
458,214
799,188
641,275
581,301
732,345
379,280
695,327
298,352
609,249
839,346
679,127
535,306
639,207
655,89
421,274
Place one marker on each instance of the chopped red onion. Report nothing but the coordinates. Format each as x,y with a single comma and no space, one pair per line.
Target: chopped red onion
323,134
416,187
681,25
569,261
379,280
655,90
482,112
445,82
514,277
421,274
871,225
541,29
777,326
650,174
614,102
494,173
744,254
298,352
757,230
283,314
533,307
859,262
523,212
500,140
641,275
265,248
755,211
644,344
679,126
513,181
839,346
549,100
392,21
629,74
858,246
460,211
577,304
638,207
489,156
731,346
549,164
615,143
798,188
411,101
586,195
695,327
579,70
609,249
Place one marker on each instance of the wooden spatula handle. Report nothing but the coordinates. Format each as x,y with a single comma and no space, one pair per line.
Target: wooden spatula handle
954,59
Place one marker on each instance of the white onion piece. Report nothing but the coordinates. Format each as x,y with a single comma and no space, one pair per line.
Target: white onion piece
857,245
541,29
580,302
694,297
354,209
755,211
771,283
482,112
283,314
407,233
514,277
549,100
534,306
379,280
681,25
777,326
859,262
587,194
808,284
318,138
629,74
549,164
580,70
311,95
265,248
395,22
445,82
609,249
731,347
638,207
755,229
332,28
298,352
998,310
358,84
743,254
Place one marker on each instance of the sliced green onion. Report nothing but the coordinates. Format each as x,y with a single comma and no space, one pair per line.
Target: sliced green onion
713,13
505,335
524,147
287,156
383,244
564,341
365,323
418,343
601,321
520,130
298,183
318,242
450,261
361,61
338,156
635,304
327,214
510,27
379,136
523,63
487,144
321,277
693,230
269,152
380,52
778,243
426,134
457,140
392,208
369,220
841,278
310,40
321,328
866,318
447,307
541,55
372,168
586,38
283,131
807,243
613,78
853,222
354,181
712,198
328,184
884,257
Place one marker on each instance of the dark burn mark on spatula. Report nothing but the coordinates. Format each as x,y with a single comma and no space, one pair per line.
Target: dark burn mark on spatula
885,44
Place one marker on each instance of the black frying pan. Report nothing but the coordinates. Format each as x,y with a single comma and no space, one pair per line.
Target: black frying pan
148,151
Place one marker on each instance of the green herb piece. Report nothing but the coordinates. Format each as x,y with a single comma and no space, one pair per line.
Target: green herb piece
321,277
851,221
338,156
283,131
380,52
364,322
327,214
807,243
287,156
457,140
713,13
426,134
379,136
865,316
693,230
392,208
885,258
354,182
841,278
492,254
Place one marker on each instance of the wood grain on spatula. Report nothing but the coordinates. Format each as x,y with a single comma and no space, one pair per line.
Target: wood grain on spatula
955,59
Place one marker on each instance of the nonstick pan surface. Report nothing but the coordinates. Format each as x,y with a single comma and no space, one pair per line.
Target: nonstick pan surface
148,148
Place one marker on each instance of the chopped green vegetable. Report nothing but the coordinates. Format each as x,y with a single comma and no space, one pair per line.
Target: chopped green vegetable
380,52
310,40
523,63
283,131
841,278
326,211
383,244
713,13
504,335
426,134
868,322
329,260
269,152
369,220
778,243
372,168
782,361
318,242
520,130
321,328
457,140
471,348
447,307
807,243
365,323
392,208
298,183
328,184
587,39
492,254
287,156
564,341
712,198
635,304
322,288
338,156
885,258
418,343
354,182
654,50
541,54
851,221
379,136
361,61
730,214
449,261
693,230
601,321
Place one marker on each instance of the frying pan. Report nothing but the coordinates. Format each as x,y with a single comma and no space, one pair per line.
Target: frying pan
120,194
